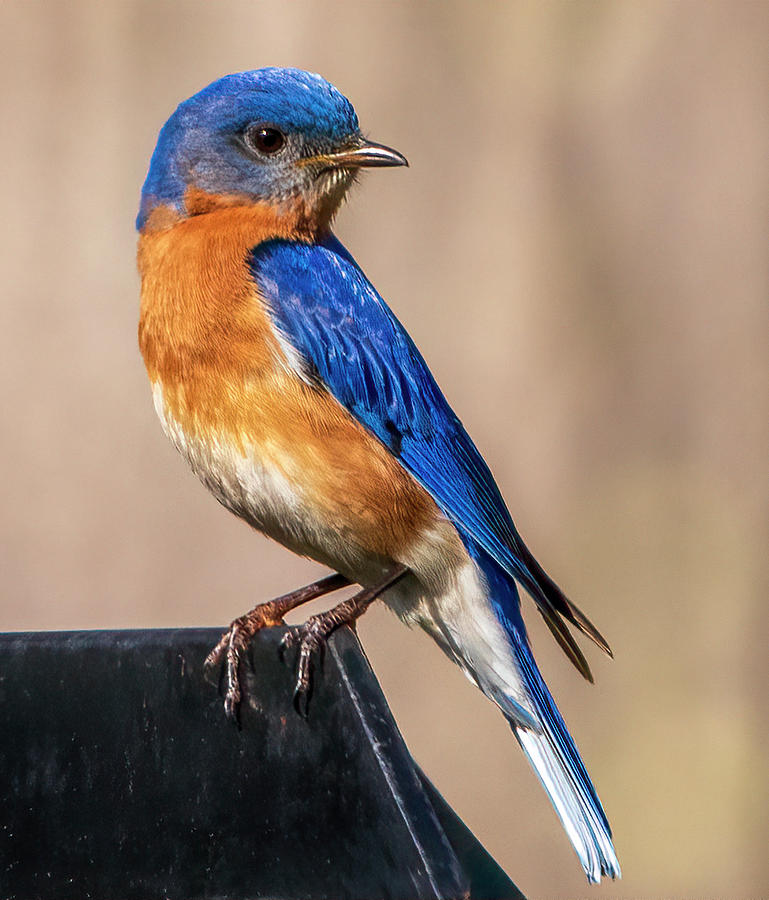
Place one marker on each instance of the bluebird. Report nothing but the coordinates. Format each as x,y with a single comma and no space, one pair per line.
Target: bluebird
300,401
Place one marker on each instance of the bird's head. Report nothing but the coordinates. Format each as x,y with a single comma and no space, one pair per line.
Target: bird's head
282,137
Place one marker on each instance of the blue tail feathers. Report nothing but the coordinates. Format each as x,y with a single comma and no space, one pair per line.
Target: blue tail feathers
550,749
559,767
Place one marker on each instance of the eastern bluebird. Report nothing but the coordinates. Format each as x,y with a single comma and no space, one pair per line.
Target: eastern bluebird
303,405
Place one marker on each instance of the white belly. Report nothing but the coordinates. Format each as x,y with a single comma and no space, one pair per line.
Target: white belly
248,485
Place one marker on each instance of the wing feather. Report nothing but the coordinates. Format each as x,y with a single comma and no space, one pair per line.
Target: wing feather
326,308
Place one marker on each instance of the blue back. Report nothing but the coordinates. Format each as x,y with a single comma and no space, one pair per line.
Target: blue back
328,310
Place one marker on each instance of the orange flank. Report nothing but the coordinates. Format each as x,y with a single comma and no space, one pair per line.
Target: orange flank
209,345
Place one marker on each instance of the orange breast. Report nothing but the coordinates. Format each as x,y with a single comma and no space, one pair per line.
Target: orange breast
207,340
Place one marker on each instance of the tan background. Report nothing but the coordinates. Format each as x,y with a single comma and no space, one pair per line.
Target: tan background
580,248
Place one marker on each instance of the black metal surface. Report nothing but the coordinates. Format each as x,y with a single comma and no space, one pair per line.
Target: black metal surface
120,779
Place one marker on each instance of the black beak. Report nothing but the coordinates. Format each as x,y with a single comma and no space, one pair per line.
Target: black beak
366,154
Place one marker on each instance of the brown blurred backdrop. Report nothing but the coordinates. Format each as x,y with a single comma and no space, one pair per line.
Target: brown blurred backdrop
580,248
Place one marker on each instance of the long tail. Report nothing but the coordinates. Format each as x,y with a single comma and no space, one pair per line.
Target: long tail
521,693
557,762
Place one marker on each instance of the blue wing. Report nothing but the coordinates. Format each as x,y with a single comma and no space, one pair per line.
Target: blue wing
349,340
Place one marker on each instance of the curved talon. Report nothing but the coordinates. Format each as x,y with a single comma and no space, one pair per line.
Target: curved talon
311,637
233,694
235,640
215,656
310,640
287,642
301,703
230,649
232,704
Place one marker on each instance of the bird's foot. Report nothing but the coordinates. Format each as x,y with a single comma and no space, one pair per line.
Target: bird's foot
234,643
232,648
310,638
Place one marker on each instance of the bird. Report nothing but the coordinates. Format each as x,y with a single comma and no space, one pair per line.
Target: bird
301,402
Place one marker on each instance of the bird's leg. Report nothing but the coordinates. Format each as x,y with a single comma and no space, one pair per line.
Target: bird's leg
236,639
311,637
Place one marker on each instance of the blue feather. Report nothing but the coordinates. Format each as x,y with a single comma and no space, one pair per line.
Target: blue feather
551,751
325,307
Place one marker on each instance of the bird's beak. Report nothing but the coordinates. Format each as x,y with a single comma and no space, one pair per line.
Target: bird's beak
365,154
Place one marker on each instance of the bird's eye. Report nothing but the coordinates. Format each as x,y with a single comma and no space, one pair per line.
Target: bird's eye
265,139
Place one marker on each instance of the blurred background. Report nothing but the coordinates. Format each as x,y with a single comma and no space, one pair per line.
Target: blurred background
581,250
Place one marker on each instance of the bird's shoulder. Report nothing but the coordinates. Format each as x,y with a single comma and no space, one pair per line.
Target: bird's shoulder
348,338
345,336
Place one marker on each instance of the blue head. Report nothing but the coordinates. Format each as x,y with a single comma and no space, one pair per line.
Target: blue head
271,135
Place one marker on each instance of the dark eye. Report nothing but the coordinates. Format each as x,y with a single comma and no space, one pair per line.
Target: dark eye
265,139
